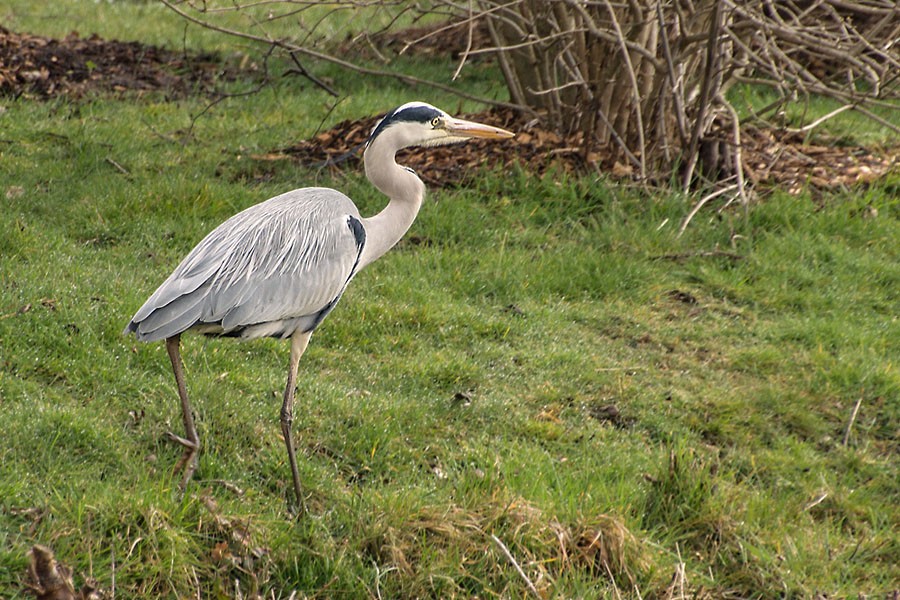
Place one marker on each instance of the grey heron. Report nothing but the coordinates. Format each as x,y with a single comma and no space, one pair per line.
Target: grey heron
278,268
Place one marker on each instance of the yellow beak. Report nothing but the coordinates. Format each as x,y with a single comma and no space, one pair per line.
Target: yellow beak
470,129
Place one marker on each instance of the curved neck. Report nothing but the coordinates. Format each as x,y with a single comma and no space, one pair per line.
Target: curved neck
405,191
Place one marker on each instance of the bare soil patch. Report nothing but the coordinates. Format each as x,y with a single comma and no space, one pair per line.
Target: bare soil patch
772,158
33,66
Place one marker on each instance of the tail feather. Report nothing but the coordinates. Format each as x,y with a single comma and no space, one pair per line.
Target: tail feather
177,316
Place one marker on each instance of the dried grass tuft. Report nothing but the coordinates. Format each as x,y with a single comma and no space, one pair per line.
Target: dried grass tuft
540,547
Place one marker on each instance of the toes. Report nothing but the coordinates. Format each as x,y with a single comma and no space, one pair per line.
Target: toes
192,445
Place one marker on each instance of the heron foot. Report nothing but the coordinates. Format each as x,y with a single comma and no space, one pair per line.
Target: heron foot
187,464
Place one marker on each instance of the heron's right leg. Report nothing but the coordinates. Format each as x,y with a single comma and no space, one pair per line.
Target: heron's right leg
191,441
299,341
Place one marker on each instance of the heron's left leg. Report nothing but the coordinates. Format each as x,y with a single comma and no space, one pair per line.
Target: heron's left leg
299,341
191,442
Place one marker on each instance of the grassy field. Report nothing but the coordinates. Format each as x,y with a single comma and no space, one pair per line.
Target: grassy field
454,414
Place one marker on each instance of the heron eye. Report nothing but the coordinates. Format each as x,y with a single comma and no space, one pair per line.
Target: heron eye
435,122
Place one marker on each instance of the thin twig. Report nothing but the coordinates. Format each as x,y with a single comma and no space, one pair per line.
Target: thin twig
678,578
817,501
402,77
465,54
702,202
112,558
511,559
877,119
526,43
231,487
738,155
852,419
117,166
820,120
223,97
378,575
613,580
700,254
305,73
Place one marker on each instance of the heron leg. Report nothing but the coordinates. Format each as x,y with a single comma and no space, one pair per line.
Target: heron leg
191,441
299,341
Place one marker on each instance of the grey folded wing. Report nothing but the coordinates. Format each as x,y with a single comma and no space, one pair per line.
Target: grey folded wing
274,268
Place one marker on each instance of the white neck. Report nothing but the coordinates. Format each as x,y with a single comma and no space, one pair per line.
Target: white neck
406,192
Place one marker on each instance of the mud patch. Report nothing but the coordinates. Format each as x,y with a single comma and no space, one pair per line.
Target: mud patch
39,67
772,158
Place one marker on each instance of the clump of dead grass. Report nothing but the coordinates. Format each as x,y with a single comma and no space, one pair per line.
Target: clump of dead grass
49,579
525,548
235,552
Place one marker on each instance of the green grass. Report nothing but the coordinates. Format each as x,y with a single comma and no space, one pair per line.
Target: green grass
152,22
454,393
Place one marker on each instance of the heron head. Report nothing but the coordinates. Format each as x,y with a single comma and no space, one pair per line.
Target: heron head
420,124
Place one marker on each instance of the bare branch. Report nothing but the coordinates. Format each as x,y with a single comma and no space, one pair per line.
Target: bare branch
293,48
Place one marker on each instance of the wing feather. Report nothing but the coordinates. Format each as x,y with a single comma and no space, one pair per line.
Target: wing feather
283,259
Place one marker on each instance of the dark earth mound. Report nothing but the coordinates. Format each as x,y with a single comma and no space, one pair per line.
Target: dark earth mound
39,67
771,157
